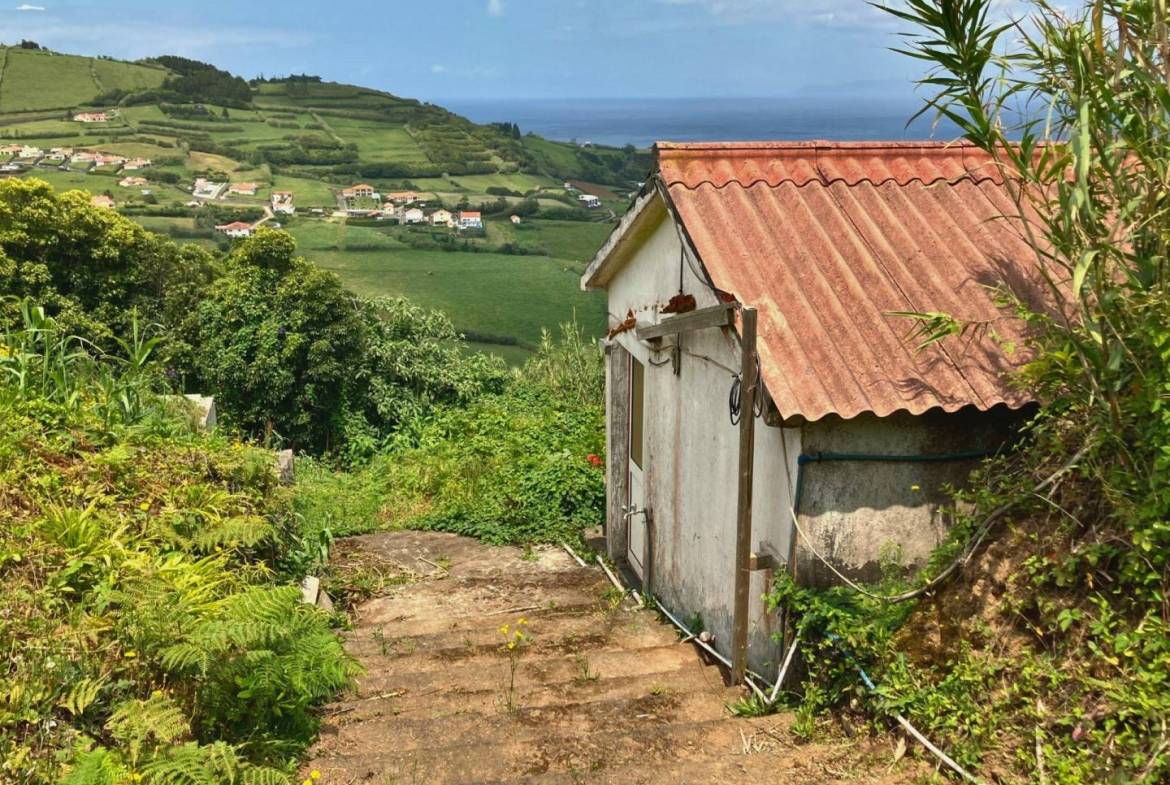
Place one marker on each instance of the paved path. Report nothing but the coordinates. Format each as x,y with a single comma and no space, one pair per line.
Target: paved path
603,693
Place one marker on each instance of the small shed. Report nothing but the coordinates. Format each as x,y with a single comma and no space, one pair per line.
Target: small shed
855,433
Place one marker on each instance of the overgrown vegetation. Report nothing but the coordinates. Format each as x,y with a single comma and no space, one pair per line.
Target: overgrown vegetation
519,465
1050,660
292,357
146,630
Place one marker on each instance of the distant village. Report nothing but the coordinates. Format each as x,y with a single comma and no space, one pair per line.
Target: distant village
357,201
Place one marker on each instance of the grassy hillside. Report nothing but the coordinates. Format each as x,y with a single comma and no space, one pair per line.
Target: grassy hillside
314,138
33,80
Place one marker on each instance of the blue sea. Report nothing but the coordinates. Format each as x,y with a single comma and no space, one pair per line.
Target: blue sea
641,122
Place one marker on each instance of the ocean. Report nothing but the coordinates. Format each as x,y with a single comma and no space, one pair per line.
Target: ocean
641,122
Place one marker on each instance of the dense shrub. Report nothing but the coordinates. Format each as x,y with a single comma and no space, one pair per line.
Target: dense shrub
144,638
522,465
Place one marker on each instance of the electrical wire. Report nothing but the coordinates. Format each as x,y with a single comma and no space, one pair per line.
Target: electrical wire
963,558
735,397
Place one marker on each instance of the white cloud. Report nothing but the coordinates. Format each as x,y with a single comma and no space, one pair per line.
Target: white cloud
134,39
495,7
824,13
438,69
27,7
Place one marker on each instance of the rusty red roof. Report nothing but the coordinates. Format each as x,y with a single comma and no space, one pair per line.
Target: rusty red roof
826,240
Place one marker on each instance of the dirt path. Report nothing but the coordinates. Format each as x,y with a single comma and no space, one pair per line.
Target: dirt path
603,693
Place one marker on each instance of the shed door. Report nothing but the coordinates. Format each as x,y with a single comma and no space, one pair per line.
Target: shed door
635,505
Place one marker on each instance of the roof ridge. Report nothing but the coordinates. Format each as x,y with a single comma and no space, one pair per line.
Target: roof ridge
823,181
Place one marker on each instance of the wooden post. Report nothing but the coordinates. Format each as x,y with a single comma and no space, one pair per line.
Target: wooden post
743,518
617,449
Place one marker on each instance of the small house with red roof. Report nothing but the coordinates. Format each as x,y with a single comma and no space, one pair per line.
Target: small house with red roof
236,229
360,191
469,219
767,407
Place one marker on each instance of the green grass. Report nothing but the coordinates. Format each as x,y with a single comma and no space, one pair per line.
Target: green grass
44,80
306,192
379,142
574,240
488,294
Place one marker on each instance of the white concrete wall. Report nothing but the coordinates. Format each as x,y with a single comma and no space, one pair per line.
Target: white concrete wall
691,464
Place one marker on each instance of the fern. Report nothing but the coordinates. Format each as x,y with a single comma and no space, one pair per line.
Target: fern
192,764
98,767
261,775
147,724
81,695
242,531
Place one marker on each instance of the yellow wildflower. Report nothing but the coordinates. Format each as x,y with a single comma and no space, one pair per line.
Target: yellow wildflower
314,775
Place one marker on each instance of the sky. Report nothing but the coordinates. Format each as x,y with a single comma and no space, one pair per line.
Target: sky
461,49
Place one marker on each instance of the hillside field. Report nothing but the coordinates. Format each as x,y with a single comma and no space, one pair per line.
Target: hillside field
313,138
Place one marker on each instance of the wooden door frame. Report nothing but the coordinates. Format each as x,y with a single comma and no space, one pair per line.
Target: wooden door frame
617,449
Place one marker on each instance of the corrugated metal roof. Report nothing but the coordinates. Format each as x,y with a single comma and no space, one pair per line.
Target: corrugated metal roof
826,240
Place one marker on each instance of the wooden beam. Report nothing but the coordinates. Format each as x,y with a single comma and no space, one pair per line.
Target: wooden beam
617,449
714,316
743,518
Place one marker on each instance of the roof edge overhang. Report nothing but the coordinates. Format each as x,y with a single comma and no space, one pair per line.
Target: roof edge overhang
643,217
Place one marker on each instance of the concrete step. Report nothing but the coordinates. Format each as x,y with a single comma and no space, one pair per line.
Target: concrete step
488,697
572,628
422,674
445,760
573,715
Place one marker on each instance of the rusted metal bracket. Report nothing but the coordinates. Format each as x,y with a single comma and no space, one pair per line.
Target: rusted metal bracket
714,316
762,561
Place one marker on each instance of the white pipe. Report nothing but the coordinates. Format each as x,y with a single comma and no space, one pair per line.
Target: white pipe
711,650
938,753
612,578
784,670
576,558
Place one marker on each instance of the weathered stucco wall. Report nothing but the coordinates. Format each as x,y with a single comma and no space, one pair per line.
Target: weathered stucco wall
691,460
862,514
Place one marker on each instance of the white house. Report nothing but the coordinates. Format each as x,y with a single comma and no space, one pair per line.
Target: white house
412,215
470,219
243,189
402,197
133,182
135,164
235,229
282,203
804,251
442,217
589,200
91,117
206,189
31,151
359,191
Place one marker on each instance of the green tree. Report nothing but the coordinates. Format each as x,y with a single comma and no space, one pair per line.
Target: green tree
89,267
278,339
1074,107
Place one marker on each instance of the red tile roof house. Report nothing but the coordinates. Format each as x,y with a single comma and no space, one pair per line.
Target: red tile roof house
235,229
358,191
858,431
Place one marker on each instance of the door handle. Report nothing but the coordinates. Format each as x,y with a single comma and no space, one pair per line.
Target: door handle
630,512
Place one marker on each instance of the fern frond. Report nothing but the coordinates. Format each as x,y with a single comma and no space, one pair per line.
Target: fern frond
98,767
147,724
261,775
81,695
242,531
193,764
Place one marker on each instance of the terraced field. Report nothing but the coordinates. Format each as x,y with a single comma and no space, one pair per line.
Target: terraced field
313,138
